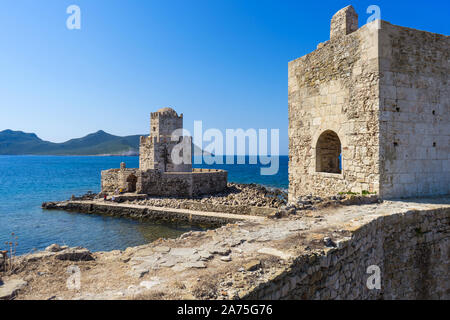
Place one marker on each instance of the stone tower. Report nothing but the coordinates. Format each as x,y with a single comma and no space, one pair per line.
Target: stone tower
165,166
369,110
156,149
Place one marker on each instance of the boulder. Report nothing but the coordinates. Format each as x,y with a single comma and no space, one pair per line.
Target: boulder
252,265
329,243
9,289
75,254
226,258
53,248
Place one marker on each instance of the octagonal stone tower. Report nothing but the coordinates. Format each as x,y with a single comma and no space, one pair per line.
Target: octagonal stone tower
369,110
155,150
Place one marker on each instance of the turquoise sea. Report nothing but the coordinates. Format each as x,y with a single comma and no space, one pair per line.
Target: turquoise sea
27,181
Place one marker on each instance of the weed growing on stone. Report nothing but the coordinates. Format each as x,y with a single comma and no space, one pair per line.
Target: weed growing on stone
363,193
12,246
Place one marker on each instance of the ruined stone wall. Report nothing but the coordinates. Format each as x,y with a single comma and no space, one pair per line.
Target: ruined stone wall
116,179
335,88
181,184
206,181
344,21
154,182
411,249
109,180
146,153
414,112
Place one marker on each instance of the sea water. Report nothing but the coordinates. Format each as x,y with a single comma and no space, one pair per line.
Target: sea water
27,181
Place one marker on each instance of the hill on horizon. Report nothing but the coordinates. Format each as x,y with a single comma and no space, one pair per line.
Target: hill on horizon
94,144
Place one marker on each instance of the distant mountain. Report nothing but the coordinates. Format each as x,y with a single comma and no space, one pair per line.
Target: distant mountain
98,143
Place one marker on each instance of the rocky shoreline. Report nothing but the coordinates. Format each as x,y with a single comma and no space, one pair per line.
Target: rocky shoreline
239,199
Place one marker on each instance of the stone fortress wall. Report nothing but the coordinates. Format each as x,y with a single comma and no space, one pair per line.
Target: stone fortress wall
184,184
369,110
333,96
414,112
411,249
158,183
158,175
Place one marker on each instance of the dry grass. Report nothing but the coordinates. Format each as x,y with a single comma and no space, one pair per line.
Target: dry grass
153,295
206,287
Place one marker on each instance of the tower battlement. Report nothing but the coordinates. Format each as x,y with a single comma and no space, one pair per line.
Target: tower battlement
344,22
164,122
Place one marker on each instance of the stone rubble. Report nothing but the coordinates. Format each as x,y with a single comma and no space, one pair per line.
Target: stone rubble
234,195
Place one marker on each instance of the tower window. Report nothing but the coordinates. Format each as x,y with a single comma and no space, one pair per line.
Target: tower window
328,153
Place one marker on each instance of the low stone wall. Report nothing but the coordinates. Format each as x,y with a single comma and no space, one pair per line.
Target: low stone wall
116,179
154,182
206,181
411,249
110,180
168,184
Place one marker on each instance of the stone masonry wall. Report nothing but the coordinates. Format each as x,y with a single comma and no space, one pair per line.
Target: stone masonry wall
116,179
414,112
146,154
158,155
344,21
206,181
335,88
157,183
385,93
162,124
181,184
411,249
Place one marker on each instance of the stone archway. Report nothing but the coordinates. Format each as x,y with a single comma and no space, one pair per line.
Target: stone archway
131,183
328,153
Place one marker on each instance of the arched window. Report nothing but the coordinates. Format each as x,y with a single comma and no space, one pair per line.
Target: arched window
328,153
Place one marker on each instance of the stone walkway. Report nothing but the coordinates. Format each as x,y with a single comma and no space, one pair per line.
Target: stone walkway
188,212
192,215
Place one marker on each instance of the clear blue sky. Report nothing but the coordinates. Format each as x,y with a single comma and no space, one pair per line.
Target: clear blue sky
220,61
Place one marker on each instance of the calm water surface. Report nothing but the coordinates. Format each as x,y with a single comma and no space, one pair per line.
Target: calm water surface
27,181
